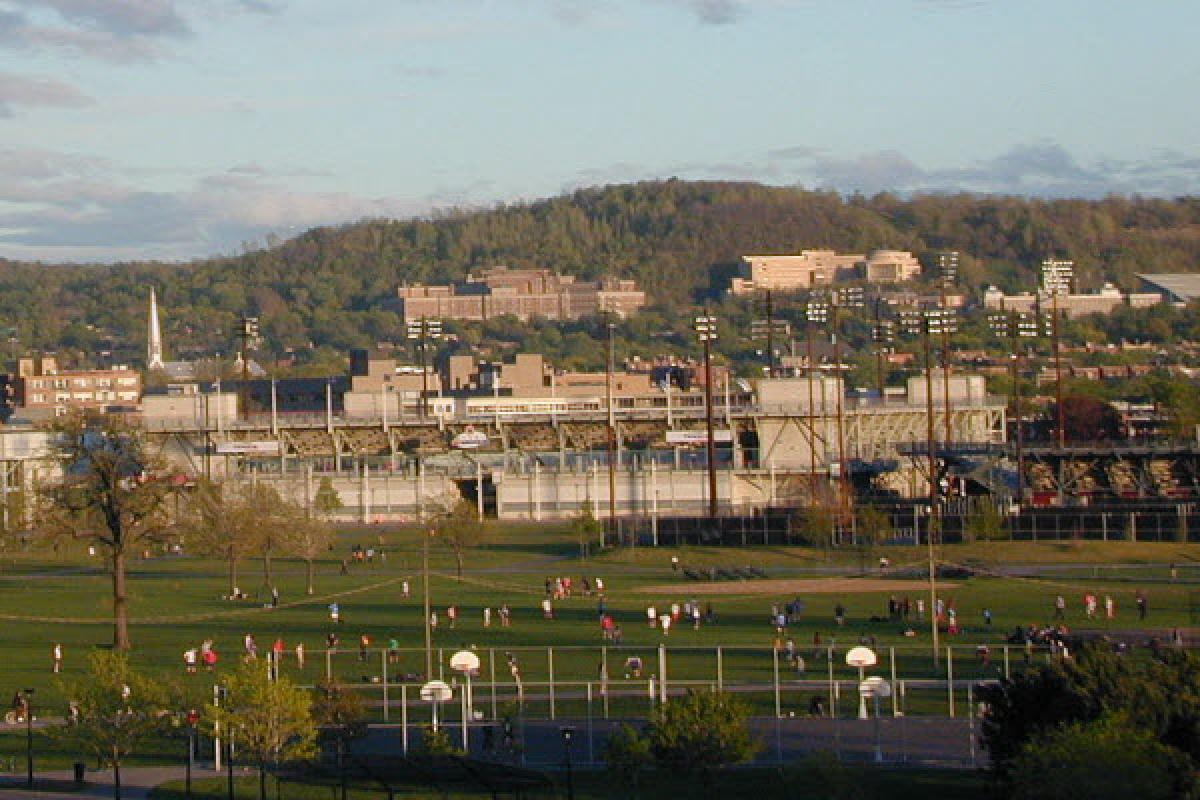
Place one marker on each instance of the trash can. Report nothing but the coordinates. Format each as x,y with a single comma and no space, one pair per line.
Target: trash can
80,767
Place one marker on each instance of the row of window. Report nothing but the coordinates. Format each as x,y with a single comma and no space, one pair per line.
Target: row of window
81,383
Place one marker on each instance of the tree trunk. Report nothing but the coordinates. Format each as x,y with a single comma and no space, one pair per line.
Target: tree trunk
120,610
232,575
309,571
262,781
268,574
458,559
116,778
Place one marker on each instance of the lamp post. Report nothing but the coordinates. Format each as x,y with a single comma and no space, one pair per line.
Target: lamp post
420,331
884,334
848,297
947,276
192,718
706,329
567,733
610,328
27,694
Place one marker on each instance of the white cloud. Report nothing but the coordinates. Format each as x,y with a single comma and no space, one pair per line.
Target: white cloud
27,91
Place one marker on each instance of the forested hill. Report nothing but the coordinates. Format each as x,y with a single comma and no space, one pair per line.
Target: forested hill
334,287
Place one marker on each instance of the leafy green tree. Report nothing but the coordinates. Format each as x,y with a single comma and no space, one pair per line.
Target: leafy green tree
1105,759
223,521
269,721
307,538
342,717
113,495
119,711
586,527
700,732
627,753
327,500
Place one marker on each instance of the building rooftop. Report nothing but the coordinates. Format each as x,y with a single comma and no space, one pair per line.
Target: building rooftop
1184,286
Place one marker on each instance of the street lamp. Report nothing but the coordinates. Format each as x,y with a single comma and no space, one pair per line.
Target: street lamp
567,733
815,313
27,694
192,718
706,330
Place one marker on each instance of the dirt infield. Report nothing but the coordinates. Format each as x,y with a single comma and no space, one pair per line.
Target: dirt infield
796,586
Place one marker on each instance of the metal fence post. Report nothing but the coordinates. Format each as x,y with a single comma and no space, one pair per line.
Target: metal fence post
492,670
662,674
950,678
591,748
775,669
328,664
404,718
383,662
1007,673
895,688
550,672
720,670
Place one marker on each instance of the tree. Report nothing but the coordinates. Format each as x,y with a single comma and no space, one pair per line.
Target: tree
222,521
699,732
627,753
585,527
1158,695
267,720
307,538
1106,759
112,495
120,710
342,717
327,500
1087,419
459,529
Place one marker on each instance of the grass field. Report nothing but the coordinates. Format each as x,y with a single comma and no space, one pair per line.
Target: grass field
816,780
176,601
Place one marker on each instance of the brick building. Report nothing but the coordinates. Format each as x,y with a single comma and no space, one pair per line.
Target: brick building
41,389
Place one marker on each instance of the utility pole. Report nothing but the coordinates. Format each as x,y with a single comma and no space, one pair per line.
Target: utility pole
884,333
947,275
425,602
933,484
816,313
706,329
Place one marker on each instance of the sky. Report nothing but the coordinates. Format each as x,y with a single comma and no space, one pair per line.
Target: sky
181,129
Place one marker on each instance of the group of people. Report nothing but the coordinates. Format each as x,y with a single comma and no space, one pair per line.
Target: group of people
1091,605
560,588
687,613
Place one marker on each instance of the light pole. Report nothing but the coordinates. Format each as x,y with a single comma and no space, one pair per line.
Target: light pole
1014,326
848,297
706,329
947,275
610,327
27,694
420,331
248,333
815,313
884,334
192,718
567,733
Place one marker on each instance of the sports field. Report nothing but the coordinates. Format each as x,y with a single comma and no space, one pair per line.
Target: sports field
177,602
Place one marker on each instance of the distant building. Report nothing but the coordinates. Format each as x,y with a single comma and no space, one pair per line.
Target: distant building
40,389
523,293
1104,301
812,268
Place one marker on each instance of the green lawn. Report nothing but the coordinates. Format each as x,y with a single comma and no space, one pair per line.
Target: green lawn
817,780
177,601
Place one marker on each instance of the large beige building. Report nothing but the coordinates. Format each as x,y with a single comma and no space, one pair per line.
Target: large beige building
813,268
523,293
1105,301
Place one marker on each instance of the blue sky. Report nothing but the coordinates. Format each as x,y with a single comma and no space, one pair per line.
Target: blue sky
182,128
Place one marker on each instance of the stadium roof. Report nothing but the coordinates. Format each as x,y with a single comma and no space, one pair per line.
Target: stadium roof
1179,287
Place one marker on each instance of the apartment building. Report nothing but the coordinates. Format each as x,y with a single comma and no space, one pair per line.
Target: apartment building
41,388
1104,301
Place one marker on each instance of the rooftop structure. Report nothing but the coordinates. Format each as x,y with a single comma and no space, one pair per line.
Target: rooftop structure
40,389
1176,287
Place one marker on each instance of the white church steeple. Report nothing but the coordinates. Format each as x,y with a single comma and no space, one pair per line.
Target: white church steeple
154,351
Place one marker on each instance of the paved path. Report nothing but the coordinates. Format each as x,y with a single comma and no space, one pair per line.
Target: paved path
136,782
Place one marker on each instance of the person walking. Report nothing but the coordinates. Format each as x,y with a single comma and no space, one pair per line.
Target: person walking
1060,607
487,617
300,655
58,657
1140,600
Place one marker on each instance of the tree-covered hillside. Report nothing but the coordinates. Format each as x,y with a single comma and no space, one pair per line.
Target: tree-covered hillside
333,288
